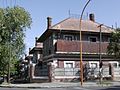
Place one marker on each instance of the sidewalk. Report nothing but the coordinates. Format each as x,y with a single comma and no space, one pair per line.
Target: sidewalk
58,85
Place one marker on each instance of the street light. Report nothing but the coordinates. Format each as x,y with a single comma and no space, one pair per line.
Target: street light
100,56
81,63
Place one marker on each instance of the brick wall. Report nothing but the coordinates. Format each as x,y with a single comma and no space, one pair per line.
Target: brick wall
60,64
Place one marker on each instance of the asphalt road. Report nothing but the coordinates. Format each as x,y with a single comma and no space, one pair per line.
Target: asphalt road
73,88
14,89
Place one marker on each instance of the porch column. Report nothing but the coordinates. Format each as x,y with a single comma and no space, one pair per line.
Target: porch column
32,68
50,72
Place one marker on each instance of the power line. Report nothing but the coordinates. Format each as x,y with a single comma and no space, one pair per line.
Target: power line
8,3
3,3
15,3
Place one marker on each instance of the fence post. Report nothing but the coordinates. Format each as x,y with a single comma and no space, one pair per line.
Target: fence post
50,72
112,69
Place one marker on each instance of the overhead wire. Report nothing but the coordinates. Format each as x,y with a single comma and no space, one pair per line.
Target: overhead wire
8,3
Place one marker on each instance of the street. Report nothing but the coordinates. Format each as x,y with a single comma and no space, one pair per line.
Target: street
73,88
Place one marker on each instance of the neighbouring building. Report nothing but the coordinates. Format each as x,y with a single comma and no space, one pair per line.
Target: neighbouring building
37,71
61,50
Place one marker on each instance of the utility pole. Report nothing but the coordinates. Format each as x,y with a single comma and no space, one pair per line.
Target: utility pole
81,62
100,56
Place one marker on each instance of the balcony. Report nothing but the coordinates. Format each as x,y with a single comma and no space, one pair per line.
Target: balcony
74,46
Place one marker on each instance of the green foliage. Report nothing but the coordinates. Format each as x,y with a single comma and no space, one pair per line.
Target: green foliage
114,45
13,23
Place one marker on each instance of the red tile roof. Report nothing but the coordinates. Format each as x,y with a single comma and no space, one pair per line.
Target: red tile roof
87,25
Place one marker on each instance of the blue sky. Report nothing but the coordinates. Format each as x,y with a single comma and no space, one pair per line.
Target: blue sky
106,12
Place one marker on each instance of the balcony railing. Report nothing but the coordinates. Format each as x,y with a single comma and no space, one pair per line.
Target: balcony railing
87,46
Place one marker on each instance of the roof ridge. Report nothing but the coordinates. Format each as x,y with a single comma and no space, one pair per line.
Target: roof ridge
72,24
105,25
60,22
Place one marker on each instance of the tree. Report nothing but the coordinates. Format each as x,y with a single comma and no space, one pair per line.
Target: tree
114,45
13,24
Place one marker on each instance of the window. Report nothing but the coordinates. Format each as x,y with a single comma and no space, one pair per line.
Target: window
109,39
76,37
114,64
94,64
69,64
35,57
93,39
68,37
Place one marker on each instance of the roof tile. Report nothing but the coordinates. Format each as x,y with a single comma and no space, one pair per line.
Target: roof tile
87,25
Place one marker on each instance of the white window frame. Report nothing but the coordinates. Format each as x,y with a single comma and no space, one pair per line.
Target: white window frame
96,62
112,62
65,62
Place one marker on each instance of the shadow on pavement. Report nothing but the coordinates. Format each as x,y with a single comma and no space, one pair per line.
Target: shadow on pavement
111,88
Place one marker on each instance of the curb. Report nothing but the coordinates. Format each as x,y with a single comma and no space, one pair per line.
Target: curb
54,85
38,87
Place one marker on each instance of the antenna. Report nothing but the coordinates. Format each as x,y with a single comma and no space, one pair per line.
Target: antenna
116,25
112,27
15,2
5,3
69,12
87,15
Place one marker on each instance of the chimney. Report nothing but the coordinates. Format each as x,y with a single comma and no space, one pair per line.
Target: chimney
36,41
49,22
29,50
92,17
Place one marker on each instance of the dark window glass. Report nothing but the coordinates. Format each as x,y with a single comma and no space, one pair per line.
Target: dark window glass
68,38
92,39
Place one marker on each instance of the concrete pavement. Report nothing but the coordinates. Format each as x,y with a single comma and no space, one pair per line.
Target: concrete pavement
59,85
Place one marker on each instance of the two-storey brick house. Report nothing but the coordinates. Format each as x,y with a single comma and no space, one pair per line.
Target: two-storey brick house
61,47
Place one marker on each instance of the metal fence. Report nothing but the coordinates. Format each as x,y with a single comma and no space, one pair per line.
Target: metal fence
67,72
89,72
116,71
38,71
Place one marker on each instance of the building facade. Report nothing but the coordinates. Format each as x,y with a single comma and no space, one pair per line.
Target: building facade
61,49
